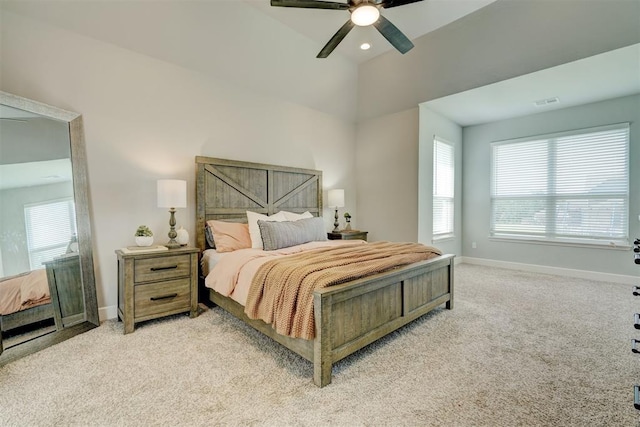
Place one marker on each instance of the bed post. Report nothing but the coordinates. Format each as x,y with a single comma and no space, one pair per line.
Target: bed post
322,358
449,304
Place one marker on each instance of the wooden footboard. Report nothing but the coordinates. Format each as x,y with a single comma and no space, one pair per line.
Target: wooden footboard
27,317
350,316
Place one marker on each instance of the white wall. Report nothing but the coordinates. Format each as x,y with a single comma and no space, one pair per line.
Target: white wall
476,187
146,119
387,164
433,124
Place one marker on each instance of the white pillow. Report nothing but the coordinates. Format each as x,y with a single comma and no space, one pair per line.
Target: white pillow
254,230
294,216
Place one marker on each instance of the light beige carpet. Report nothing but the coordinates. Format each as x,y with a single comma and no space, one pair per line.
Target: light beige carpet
519,349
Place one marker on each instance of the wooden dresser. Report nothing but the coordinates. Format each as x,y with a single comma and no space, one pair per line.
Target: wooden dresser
156,284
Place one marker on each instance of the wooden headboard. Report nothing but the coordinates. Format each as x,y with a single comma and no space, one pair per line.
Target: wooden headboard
226,189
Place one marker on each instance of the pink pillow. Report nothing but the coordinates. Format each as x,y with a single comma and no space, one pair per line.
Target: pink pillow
230,236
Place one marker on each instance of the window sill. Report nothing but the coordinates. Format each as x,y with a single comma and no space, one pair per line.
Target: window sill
585,245
442,239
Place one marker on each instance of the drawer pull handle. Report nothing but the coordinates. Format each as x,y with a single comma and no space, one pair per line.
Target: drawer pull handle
634,346
636,321
636,291
170,267
636,396
164,297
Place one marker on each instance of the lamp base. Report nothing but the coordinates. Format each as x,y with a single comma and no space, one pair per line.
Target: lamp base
172,243
335,223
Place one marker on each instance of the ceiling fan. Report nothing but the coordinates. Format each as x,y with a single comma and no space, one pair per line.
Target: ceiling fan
363,13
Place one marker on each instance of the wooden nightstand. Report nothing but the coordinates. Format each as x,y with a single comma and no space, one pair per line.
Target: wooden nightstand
156,284
348,235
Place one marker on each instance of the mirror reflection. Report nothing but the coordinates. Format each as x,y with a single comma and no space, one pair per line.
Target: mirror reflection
40,275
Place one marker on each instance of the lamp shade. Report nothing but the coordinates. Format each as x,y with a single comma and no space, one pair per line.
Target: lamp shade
172,193
336,198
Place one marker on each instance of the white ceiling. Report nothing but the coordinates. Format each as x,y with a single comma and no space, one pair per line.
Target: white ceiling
608,75
414,20
221,21
256,47
31,174
271,50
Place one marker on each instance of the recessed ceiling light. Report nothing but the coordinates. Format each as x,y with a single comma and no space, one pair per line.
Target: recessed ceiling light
365,46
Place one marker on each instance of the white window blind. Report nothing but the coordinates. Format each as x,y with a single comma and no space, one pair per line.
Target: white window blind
443,189
49,227
571,187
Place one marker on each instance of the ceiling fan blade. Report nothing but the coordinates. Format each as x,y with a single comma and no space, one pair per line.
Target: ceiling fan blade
395,3
310,4
336,39
393,34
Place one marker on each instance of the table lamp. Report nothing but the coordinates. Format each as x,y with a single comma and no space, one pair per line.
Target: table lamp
172,194
336,200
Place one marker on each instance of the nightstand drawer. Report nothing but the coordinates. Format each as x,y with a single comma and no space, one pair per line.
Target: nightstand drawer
162,298
161,268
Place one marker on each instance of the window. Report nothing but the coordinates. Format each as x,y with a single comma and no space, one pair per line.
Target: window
50,227
443,189
571,187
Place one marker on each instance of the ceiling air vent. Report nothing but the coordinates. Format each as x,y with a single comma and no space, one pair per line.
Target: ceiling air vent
545,102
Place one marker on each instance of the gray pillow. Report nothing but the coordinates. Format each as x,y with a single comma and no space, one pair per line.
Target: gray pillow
277,235
209,237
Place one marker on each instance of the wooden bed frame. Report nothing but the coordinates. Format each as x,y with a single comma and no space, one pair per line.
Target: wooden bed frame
27,316
349,316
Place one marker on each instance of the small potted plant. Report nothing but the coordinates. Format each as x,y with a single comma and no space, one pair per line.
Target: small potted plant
144,236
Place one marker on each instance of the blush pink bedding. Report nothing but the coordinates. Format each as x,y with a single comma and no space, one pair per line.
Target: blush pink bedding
232,275
24,291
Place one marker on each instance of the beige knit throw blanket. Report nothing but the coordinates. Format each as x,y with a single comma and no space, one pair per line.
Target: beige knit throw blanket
281,292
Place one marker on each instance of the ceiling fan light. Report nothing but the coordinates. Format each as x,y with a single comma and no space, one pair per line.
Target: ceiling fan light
365,15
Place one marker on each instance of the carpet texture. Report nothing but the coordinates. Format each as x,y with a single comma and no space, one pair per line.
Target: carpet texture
519,349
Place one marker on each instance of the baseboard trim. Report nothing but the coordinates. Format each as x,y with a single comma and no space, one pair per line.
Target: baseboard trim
107,313
581,274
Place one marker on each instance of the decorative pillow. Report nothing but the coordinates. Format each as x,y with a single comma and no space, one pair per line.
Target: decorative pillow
277,235
229,236
254,230
208,234
291,216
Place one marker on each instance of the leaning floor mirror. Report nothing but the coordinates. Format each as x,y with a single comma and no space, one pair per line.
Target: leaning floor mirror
47,280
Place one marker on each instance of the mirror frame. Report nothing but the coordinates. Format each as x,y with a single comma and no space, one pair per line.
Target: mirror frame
83,224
